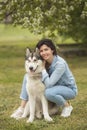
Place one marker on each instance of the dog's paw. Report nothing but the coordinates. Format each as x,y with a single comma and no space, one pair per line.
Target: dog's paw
23,116
30,120
48,118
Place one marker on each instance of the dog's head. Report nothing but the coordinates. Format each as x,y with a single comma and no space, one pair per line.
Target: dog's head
33,63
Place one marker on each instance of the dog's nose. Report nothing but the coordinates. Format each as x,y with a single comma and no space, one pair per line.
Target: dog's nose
31,68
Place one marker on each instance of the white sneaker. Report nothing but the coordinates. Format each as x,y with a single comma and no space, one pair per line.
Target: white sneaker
67,111
18,113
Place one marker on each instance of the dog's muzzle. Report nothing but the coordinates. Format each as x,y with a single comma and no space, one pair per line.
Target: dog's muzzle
32,69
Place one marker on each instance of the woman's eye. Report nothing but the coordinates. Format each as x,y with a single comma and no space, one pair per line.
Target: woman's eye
46,49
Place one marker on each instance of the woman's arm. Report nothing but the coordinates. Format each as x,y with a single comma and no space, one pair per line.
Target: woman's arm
55,76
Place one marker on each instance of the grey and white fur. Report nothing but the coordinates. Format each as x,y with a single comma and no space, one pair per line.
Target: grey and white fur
37,106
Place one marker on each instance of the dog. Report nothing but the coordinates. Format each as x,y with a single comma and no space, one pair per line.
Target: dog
37,106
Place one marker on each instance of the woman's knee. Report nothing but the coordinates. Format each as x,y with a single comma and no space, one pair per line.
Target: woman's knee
58,99
48,94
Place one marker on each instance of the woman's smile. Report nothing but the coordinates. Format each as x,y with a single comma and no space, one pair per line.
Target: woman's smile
46,53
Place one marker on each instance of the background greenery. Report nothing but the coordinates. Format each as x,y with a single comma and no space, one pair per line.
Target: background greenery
12,55
59,17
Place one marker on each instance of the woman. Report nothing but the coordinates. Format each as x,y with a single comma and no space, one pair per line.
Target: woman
59,82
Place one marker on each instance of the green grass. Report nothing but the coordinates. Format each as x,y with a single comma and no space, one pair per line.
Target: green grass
11,75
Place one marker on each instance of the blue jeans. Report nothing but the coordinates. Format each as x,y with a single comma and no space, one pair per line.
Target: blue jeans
57,94
24,95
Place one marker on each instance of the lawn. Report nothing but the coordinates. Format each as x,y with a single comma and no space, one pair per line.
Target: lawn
11,74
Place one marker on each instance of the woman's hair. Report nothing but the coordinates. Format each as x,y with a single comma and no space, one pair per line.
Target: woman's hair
48,43
51,45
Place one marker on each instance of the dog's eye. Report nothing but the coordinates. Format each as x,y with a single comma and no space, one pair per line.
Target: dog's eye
35,60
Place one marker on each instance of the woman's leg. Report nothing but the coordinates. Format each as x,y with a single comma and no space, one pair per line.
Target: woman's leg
24,96
23,103
60,95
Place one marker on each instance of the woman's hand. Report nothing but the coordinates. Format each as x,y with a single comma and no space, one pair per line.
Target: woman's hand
43,64
44,67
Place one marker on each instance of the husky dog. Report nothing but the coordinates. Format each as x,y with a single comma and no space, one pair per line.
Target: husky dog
37,104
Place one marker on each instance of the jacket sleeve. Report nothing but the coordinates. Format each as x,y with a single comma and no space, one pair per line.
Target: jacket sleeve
55,76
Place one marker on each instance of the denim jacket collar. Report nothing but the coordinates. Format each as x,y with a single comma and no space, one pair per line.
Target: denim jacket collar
54,61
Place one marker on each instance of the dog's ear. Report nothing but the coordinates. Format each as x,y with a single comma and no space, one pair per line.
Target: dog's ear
28,52
37,52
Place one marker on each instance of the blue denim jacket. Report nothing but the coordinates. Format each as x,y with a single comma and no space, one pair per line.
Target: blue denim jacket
59,75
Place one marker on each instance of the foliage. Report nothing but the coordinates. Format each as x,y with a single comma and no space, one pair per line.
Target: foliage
63,17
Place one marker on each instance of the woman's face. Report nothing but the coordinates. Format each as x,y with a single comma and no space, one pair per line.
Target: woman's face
46,53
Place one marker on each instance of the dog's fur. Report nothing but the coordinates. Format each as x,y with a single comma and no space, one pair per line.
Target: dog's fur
37,104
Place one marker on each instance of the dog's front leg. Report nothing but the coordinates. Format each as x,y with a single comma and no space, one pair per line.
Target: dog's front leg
45,109
32,108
